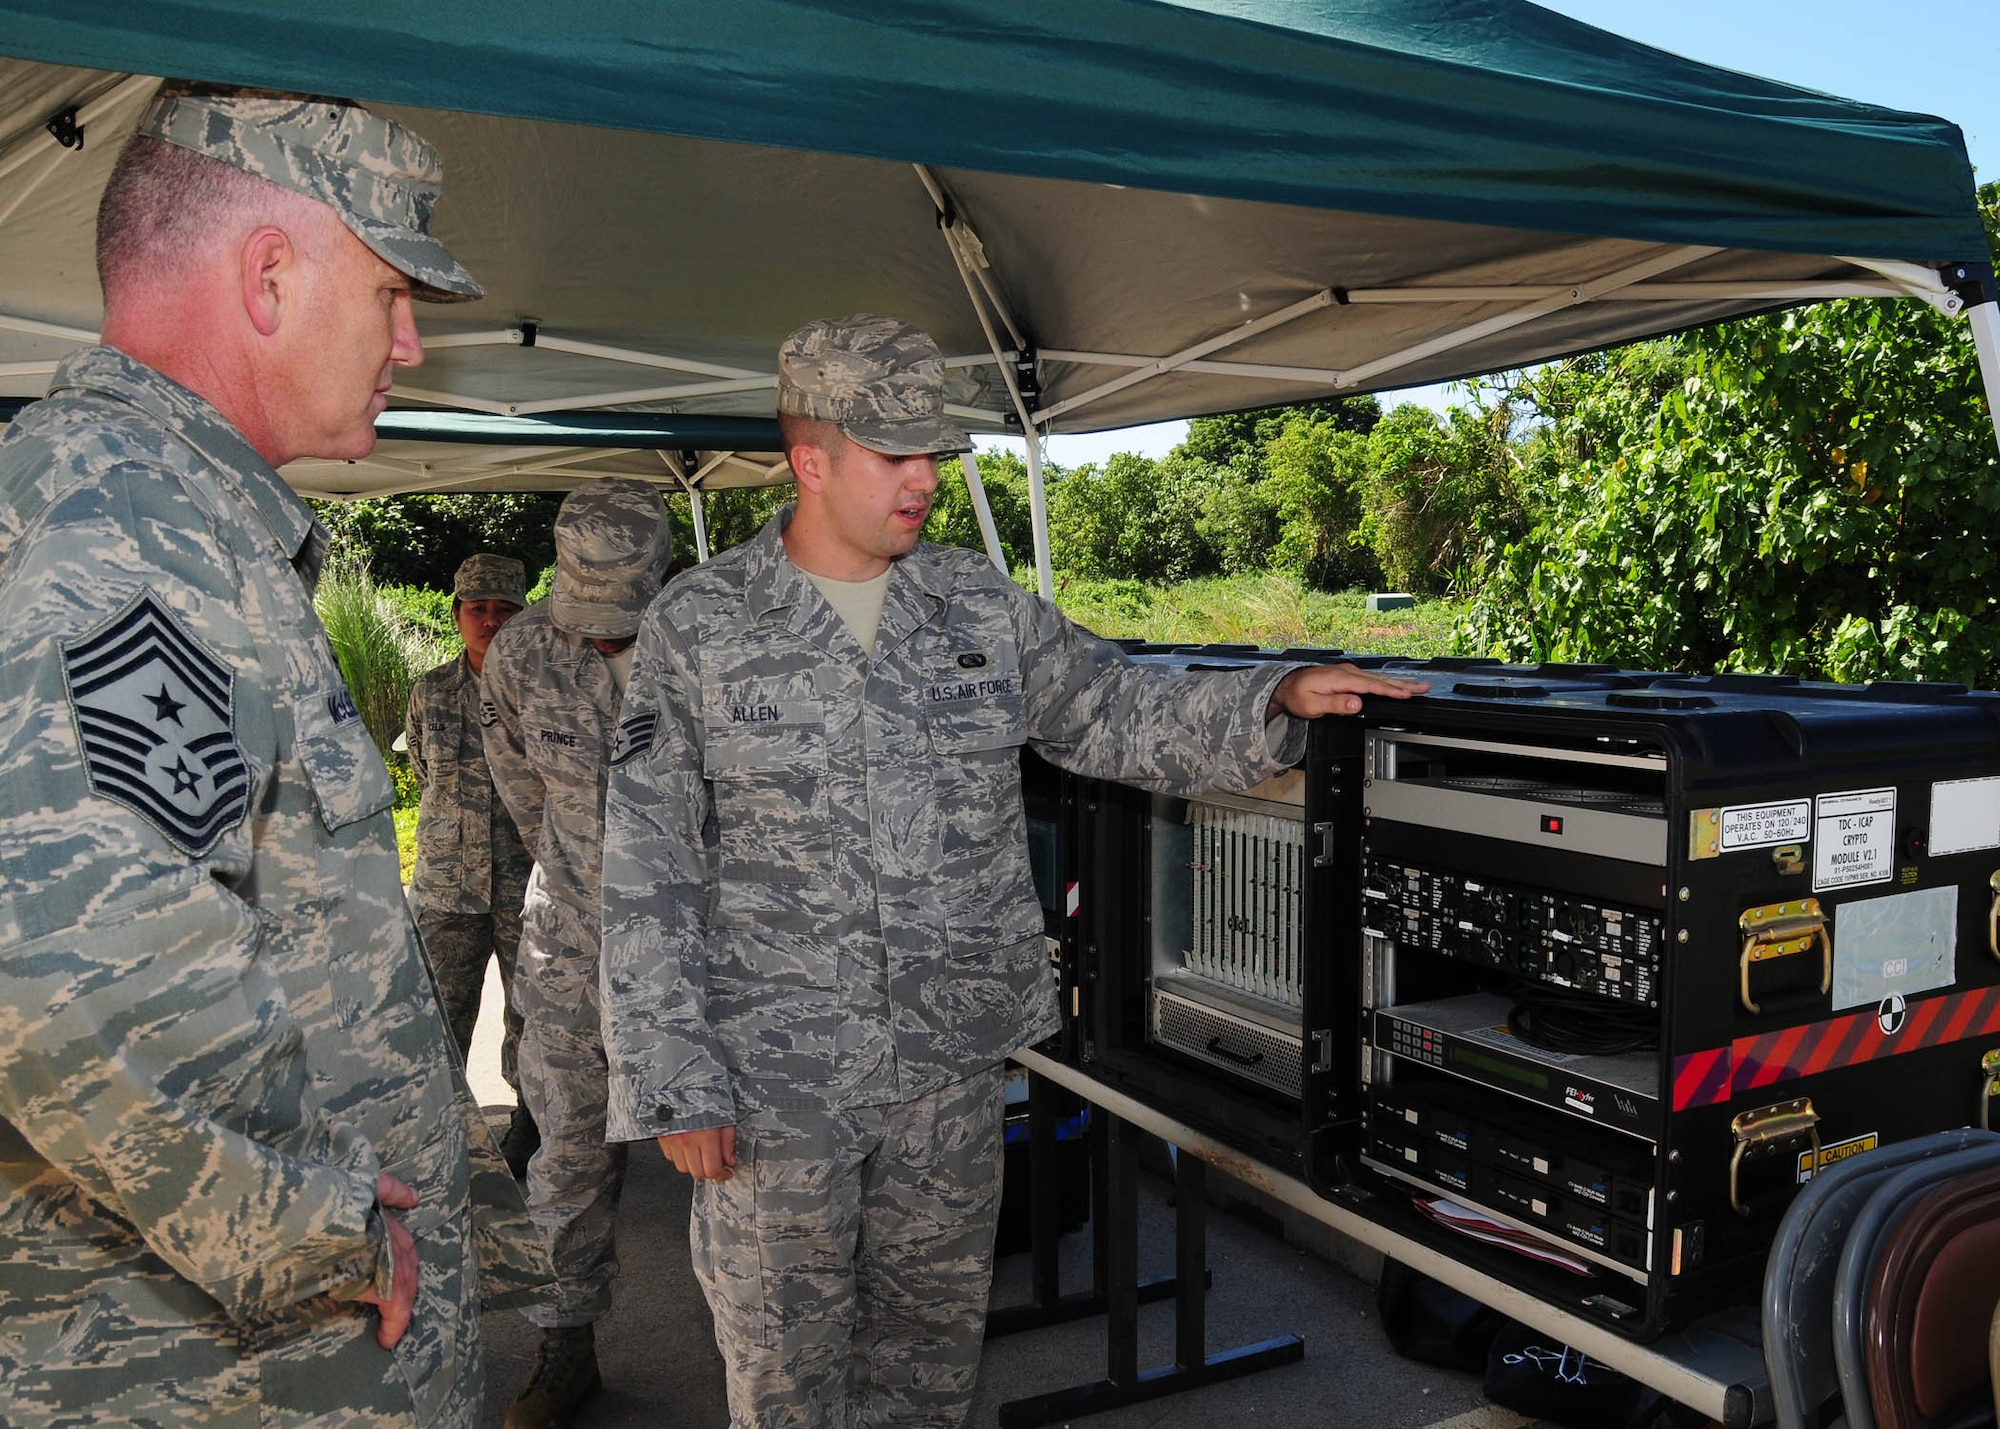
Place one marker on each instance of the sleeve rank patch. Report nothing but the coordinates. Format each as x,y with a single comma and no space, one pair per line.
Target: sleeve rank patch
156,719
635,737
488,716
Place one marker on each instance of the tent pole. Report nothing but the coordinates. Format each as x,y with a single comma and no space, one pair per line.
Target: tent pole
976,489
1038,515
700,523
1985,318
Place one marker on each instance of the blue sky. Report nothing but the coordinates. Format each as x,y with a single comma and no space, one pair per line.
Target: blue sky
1932,56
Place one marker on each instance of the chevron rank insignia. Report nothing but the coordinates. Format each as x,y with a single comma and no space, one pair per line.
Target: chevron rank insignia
635,737
156,721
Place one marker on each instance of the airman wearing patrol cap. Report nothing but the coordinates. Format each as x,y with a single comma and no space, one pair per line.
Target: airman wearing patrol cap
821,936
231,1122
471,872
552,683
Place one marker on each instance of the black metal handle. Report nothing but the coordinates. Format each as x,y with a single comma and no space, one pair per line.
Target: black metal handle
1216,1048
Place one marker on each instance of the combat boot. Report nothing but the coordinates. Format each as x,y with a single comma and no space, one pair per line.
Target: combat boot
565,1377
520,1141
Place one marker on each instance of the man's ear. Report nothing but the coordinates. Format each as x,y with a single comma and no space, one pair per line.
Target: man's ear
810,464
269,261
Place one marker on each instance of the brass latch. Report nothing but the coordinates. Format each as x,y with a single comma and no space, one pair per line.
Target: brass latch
1758,1131
1778,930
1989,1088
1993,916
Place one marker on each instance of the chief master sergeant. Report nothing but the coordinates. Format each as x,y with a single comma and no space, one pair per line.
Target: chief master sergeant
821,936
472,868
234,1180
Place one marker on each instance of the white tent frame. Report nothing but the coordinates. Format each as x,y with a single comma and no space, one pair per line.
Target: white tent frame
1009,352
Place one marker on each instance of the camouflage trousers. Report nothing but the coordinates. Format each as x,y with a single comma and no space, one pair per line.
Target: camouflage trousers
574,1179
847,1261
458,945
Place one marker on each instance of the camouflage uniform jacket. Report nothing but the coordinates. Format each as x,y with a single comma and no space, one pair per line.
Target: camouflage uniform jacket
215,1023
551,707
816,881
466,842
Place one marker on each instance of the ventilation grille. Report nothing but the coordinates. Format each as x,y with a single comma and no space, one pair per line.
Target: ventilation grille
1222,1039
1244,920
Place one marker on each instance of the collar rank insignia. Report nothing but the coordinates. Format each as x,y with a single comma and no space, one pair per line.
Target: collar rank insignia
635,737
155,717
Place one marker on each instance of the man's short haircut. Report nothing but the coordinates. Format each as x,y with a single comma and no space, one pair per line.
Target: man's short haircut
795,430
164,204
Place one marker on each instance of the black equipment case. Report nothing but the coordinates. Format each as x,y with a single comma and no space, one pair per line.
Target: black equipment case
1753,924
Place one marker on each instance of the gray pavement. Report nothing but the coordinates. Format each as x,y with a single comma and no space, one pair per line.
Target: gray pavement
661,1369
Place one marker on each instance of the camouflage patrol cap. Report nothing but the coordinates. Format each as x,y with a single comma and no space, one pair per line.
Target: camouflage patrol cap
879,380
490,577
379,177
612,548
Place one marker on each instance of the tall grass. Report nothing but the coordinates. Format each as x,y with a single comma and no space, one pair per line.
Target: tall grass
381,648
1267,609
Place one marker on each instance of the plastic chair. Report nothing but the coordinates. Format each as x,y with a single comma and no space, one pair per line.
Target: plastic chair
1797,1309
1872,1225
1929,1312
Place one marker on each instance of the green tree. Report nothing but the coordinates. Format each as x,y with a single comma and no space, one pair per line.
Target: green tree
1811,491
420,540
1240,439
1318,470
1005,478
1135,518
1435,490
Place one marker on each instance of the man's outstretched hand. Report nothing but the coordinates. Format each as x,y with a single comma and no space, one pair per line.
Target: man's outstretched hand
706,1155
1335,689
391,1194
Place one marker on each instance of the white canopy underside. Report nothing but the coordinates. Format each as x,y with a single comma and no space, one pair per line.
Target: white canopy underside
658,274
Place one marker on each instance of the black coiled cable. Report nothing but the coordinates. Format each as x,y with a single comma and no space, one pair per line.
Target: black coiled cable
1557,1021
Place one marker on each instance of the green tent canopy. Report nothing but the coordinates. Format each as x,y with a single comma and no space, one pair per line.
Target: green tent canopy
1107,211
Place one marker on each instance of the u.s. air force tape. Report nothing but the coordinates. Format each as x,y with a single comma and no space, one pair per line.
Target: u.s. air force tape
635,737
155,718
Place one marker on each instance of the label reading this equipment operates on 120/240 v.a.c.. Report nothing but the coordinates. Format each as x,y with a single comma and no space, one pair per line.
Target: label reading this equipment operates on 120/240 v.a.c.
1762,825
1854,838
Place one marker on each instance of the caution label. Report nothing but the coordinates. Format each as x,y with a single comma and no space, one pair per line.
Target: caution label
1838,1151
1854,838
1762,825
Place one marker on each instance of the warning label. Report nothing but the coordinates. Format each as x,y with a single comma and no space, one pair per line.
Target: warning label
1854,838
1839,1151
1761,825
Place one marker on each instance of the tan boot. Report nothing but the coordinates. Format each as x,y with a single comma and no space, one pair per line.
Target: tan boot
565,1376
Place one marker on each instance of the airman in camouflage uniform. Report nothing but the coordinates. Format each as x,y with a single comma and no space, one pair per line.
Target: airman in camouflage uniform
472,868
553,680
821,932
234,1140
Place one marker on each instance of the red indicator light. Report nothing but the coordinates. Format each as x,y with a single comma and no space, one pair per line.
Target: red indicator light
1552,823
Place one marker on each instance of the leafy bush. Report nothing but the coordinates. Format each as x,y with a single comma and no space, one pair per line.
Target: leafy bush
1136,518
1434,490
1005,479
420,540
1815,494
1318,470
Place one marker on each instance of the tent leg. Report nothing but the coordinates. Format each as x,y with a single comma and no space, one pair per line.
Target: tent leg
1038,516
976,489
700,523
1985,319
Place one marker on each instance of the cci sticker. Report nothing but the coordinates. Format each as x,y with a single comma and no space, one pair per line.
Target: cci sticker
1854,838
1762,825
1838,1151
